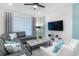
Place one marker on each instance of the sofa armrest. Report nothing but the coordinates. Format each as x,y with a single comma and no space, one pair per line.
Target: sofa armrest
65,51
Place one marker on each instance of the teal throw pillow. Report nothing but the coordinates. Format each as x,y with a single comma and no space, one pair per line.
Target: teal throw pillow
58,46
12,46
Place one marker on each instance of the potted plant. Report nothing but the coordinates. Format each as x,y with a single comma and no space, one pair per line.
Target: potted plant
40,37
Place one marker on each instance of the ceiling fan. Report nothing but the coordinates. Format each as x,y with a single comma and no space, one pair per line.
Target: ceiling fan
35,5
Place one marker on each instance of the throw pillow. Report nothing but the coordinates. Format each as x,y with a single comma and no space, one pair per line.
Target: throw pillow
58,46
13,36
12,47
9,49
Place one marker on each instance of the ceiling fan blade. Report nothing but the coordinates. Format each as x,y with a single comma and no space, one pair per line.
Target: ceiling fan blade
28,3
41,6
34,4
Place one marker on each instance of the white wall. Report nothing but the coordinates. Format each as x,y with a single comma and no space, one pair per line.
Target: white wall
66,15
2,22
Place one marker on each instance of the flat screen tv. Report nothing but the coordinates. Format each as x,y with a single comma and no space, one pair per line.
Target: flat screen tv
56,25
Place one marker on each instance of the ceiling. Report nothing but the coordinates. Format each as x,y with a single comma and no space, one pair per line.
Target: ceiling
50,8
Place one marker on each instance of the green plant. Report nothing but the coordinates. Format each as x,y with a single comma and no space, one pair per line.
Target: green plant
40,37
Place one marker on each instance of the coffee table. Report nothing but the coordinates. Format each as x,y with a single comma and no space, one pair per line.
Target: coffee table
36,43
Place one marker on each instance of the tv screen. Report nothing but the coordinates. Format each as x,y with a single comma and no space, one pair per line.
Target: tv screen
56,25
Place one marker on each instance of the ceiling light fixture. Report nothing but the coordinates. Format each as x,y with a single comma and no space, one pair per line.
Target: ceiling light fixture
35,6
10,4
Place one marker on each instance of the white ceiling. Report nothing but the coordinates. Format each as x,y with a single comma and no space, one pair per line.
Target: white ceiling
50,8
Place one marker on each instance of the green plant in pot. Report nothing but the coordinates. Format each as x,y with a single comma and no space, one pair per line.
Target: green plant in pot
40,37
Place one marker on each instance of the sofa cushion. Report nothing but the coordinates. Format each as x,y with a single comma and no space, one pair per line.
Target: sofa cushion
5,36
19,53
21,34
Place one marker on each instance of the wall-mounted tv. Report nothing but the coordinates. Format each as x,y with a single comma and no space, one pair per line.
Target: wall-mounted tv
55,25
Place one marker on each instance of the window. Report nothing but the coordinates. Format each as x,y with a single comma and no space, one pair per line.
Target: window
22,24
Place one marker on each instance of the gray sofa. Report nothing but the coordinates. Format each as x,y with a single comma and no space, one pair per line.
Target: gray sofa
23,38
3,51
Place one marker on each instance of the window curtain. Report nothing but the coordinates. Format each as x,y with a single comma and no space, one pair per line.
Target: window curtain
8,22
34,26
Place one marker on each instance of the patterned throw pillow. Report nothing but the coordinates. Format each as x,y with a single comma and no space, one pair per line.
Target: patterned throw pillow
12,47
13,36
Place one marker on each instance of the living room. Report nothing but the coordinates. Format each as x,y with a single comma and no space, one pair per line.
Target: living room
31,25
